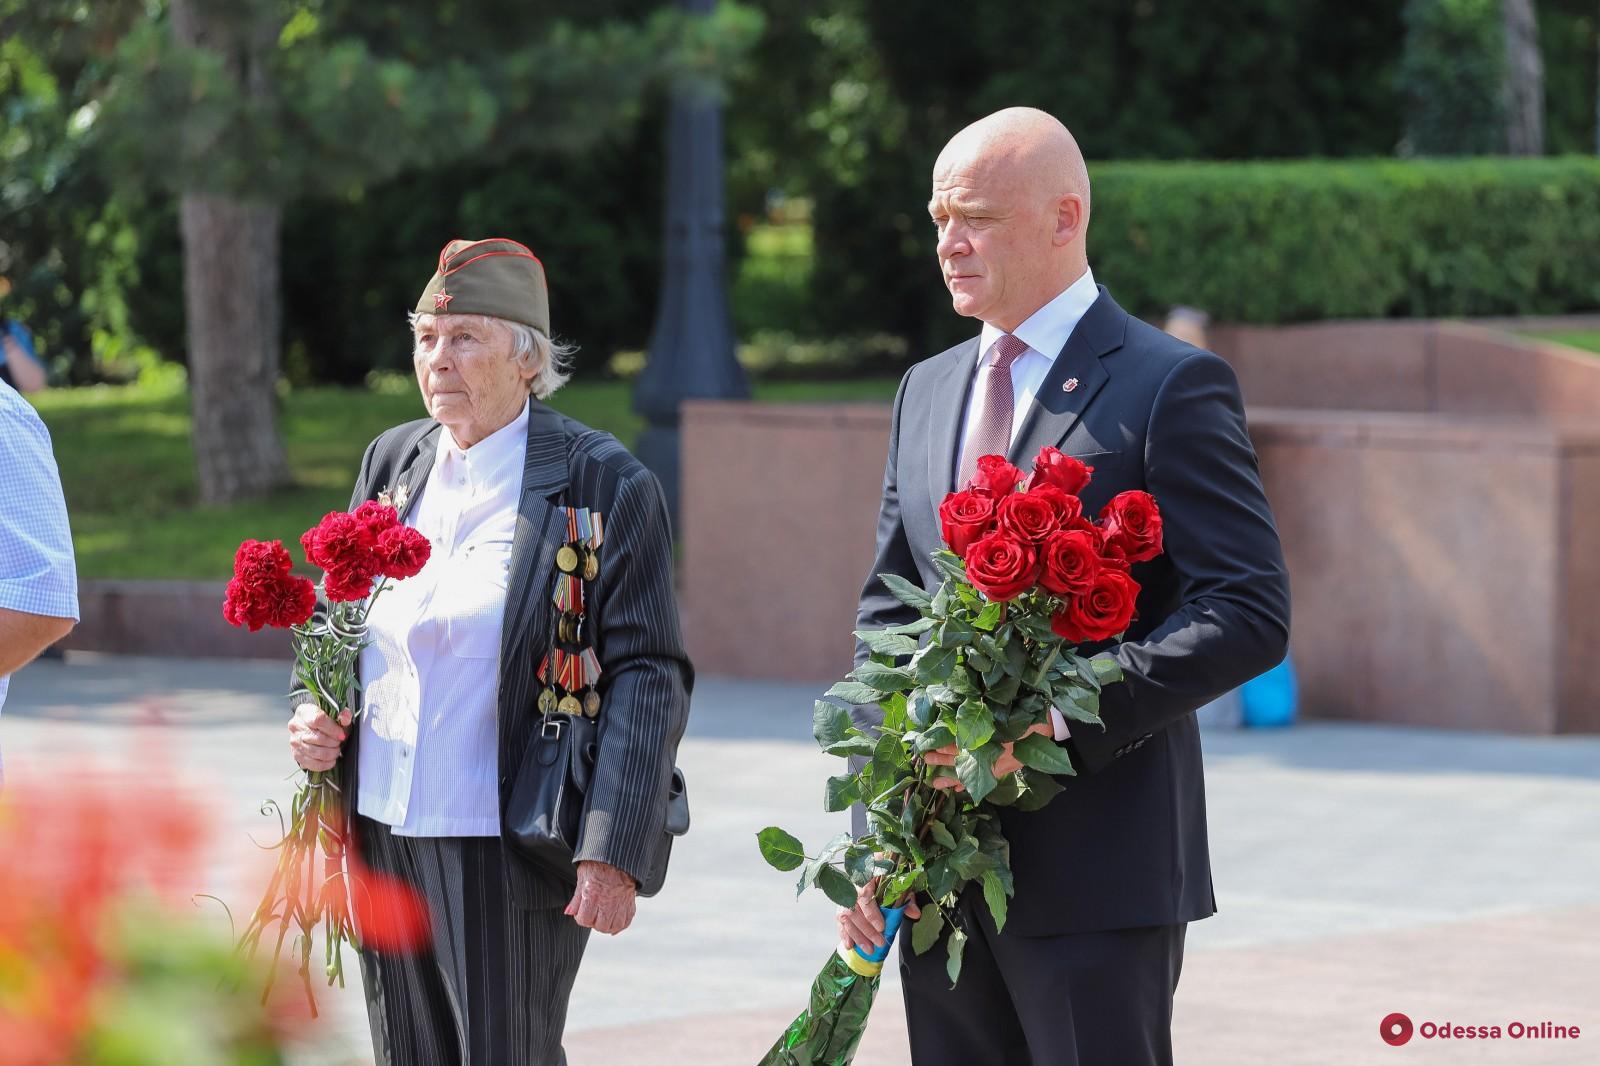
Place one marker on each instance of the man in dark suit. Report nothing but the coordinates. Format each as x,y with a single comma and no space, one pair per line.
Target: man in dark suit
1110,872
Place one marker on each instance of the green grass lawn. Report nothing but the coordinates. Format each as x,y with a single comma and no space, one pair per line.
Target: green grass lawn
128,468
1587,339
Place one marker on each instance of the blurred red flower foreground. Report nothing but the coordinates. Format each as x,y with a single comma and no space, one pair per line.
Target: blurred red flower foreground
103,957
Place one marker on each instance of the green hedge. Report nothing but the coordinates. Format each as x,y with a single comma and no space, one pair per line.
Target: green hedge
1297,241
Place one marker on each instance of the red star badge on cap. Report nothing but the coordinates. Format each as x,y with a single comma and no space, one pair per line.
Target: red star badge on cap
441,301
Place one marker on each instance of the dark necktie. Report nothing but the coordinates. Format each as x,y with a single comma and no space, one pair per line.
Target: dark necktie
991,433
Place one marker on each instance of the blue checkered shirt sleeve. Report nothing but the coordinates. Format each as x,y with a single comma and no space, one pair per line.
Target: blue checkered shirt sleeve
37,575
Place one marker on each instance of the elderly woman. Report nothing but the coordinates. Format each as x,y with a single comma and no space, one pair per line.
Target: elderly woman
466,661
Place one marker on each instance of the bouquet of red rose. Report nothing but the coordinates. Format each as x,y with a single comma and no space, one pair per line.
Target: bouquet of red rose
359,553
966,692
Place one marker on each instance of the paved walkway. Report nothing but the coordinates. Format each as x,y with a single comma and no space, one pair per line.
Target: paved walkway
1359,869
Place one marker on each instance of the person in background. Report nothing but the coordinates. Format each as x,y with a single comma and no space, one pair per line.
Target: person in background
38,581
19,363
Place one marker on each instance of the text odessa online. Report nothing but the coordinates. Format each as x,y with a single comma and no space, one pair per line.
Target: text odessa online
1515,1030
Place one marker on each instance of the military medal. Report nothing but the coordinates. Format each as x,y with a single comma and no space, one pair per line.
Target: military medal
547,701
591,704
591,564
567,559
570,706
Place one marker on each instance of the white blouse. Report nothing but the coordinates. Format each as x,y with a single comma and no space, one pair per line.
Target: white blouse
428,753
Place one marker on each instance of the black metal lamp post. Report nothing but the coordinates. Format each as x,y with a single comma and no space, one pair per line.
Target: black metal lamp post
692,351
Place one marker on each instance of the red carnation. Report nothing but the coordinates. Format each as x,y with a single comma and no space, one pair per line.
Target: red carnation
402,552
1027,516
294,600
1055,467
262,591
1132,524
1001,566
964,517
377,516
1101,613
349,583
340,541
996,476
1069,562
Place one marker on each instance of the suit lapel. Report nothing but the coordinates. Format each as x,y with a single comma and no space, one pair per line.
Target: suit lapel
1056,409
949,406
408,483
539,533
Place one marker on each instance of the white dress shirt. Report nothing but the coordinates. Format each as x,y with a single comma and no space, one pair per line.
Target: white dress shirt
429,753
1045,333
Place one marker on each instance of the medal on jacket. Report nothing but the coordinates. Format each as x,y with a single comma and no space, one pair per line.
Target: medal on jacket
572,670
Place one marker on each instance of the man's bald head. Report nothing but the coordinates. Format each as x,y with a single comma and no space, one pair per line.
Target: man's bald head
1032,146
1011,202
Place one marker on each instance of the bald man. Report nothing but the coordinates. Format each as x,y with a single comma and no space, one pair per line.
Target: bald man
1110,872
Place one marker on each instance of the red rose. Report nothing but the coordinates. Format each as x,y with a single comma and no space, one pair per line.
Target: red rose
1101,613
377,516
964,517
1001,566
1028,517
402,552
996,476
1068,508
1069,562
1055,467
1132,523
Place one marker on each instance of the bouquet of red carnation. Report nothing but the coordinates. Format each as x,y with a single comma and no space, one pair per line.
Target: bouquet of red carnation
359,552
966,692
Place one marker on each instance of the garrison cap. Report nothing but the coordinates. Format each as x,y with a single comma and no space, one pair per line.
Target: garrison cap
496,277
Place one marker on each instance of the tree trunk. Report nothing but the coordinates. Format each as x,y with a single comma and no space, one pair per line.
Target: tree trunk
1524,85
230,285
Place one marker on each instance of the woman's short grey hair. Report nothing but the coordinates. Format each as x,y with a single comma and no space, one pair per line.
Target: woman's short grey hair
550,360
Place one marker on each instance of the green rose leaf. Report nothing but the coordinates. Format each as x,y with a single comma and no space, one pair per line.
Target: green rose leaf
919,708
974,769
974,725
1042,753
894,712
941,835
935,664
882,678
904,591
939,736
941,879
830,723
1107,670
1041,789
925,930
911,629
851,746
988,618
955,633
841,791
955,945
994,894
882,642
836,886
855,692
950,565
1005,689
781,850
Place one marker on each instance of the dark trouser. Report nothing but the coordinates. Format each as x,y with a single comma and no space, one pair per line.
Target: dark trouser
1079,999
490,984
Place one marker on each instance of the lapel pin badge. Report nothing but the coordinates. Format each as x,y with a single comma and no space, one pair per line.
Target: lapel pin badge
1069,385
